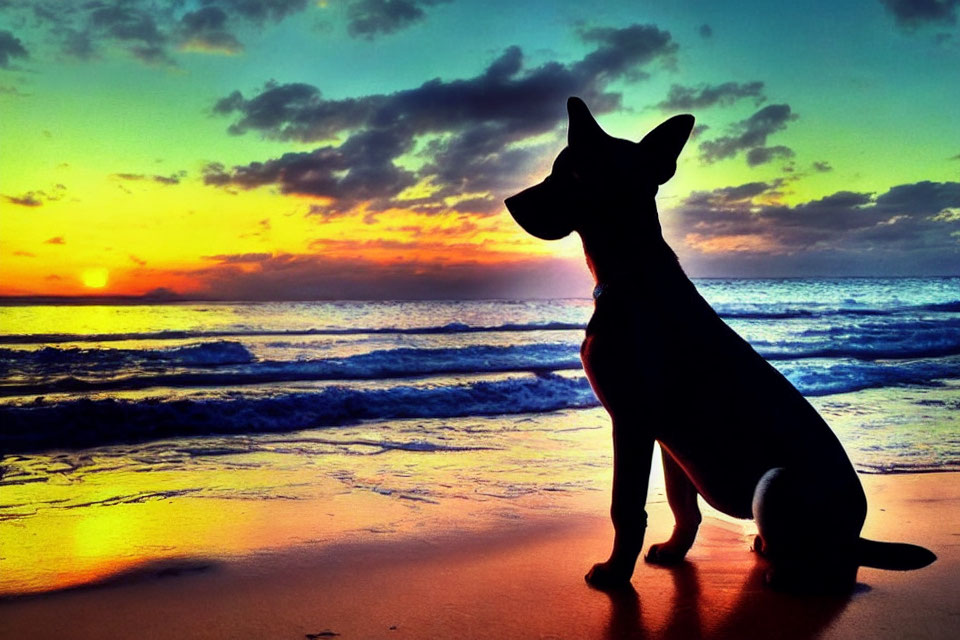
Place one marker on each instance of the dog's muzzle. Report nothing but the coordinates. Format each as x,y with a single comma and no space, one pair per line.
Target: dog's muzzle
541,212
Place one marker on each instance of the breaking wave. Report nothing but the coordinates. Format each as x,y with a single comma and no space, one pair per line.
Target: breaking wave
86,422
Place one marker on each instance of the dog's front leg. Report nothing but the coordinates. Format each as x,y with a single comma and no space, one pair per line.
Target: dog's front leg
682,497
632,456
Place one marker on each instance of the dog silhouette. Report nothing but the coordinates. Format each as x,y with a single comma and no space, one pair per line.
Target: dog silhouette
731,428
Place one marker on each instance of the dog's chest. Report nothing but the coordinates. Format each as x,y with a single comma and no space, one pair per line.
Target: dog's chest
621,339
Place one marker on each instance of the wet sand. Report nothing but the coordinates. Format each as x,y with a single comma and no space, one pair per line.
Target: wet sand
521,582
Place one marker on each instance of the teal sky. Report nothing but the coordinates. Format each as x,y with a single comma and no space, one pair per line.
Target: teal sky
371,143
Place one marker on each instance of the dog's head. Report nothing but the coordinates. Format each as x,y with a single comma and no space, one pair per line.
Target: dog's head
596,173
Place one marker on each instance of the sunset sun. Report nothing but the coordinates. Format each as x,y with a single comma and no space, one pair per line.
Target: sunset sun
94,278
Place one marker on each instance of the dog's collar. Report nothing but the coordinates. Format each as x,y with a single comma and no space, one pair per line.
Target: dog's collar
602,288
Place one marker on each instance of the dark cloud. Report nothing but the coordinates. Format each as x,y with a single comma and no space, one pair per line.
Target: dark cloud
467,132
924,198
55,240
821,166
751,134
727,198
621,52
261,10
317,277
37,198
239,258
361,169
10,47
910,228
172,179
914,13
125,22
705,31
205,30
763,155
370,18
681,98
77,44
151,31
29,199
151,54
296,111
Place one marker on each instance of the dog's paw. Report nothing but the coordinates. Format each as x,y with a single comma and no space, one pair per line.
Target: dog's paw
665,554
608,576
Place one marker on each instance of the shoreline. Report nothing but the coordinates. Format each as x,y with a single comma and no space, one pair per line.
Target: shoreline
523,580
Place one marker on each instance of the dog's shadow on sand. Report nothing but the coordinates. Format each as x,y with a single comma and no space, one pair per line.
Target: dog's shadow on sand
756,612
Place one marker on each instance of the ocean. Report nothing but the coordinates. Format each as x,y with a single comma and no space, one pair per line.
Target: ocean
165,430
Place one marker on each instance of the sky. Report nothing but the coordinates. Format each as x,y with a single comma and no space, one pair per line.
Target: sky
362,149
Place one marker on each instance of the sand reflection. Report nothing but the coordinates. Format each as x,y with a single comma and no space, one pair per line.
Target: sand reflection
755,611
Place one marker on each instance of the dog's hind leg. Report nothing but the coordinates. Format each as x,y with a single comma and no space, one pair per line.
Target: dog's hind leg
682,497
808,531
632,457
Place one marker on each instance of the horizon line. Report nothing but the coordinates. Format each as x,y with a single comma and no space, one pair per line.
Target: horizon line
175,298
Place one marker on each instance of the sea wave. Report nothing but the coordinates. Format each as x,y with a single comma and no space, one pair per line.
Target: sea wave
56,360
374,365
782,311
730,311
828,377
450,328
871,341
855,362
86,422
77,423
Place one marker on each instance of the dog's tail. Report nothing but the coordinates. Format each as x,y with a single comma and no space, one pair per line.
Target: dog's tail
892,555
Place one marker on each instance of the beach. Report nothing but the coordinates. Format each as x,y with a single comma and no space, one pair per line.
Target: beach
520,581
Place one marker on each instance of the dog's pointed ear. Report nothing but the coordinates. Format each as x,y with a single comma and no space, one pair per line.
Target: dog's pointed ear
582,128
665,143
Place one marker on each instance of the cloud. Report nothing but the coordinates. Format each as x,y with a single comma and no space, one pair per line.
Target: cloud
681,98
77,44
620,52
37,197
344,277
29,199
822,166
239,258
914,13
909,228
172,179
260,11
371,18
763,155
361,169
749,135
472,137
205,30
10,47
55,240
705,31
152,31
126,23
